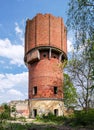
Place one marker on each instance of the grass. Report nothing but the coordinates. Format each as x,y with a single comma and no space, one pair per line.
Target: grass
26,126
39,125
80,120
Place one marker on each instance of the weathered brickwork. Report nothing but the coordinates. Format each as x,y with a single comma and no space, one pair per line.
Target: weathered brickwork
45,30
46,74
45,50
55,32
42,30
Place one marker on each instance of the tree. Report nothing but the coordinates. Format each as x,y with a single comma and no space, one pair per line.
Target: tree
80,70
81,22
6,112
81,19
13,111
70,95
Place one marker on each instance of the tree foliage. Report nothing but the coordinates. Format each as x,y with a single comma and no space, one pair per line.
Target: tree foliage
84,118
5,114
81,22
80,70
81,19
70,96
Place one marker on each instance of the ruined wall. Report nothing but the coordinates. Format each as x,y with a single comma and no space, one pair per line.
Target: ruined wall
21,107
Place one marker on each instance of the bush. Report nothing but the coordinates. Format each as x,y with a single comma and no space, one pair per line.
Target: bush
23,119
4,115
52,118
84,117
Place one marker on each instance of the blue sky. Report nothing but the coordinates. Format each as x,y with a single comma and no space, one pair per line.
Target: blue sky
13,15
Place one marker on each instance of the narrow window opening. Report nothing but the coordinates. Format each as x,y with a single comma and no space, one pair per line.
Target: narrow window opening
54,56
56,112
55,90
44,55
35,90
35,112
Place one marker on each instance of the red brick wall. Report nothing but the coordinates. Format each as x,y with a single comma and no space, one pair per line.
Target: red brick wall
55,32
32,33
45,30
45,74
42,30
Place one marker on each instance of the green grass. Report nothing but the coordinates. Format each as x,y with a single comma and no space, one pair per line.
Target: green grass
39,126
80,119
31,126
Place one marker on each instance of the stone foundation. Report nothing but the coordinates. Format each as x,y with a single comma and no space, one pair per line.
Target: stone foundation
45,106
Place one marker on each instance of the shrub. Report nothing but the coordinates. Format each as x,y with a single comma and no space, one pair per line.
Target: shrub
23,119
4,115
84,117
52,118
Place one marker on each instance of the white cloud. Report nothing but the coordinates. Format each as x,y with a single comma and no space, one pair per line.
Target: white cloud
13,52
14,93
19,32
13,80
10,95
18,29
4,82
13,86
70,47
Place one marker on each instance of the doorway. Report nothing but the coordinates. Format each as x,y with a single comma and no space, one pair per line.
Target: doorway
35,112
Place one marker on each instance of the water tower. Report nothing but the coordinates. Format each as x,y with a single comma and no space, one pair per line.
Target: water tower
45,50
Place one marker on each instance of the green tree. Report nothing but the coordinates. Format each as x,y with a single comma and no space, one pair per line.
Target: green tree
81,22
13,111
80,70
70,95
6,113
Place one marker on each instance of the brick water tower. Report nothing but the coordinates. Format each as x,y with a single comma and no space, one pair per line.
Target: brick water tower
45,50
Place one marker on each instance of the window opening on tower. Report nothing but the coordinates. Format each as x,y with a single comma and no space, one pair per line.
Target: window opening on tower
54,56
55,90
44,55
35,90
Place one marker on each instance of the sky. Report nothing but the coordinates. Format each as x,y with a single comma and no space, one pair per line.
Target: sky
13,16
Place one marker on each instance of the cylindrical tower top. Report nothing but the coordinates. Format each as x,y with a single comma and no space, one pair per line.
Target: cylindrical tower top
45,31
